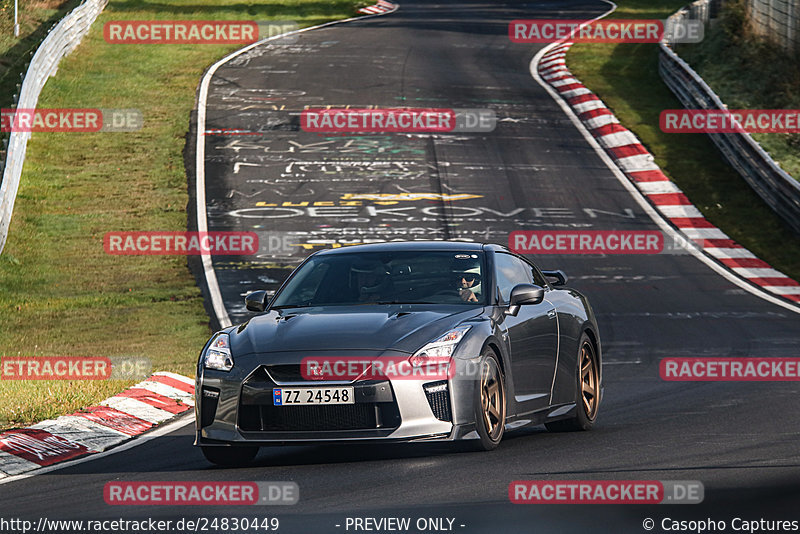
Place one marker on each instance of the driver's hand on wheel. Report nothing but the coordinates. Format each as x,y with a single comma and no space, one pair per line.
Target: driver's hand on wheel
467,295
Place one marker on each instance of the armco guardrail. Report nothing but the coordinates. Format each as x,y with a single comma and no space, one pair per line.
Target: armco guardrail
61,40
778,189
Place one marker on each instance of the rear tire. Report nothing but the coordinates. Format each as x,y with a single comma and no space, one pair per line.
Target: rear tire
587,397
230,456
490,403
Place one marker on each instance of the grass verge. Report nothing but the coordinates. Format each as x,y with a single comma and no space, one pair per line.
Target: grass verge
748,73
625,77
60,294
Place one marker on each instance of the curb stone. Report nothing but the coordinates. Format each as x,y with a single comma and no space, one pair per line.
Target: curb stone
637,163
162,397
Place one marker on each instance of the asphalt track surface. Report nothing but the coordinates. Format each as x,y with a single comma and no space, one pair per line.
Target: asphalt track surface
535,171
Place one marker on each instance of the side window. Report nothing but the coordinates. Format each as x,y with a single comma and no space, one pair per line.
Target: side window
510,272
538,279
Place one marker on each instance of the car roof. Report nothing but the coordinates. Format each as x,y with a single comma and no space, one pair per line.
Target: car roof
413,246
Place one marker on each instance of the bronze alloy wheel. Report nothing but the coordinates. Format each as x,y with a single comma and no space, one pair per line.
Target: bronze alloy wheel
493,405
587,391
589,379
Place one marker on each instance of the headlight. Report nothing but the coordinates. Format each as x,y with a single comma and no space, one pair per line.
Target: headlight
218,354
439,349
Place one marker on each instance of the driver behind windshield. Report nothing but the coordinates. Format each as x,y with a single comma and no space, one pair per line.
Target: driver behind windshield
468,279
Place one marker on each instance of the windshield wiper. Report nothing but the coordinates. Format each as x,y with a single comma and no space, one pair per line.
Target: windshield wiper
285,306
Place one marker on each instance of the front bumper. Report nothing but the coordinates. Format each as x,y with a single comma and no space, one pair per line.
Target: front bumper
236,408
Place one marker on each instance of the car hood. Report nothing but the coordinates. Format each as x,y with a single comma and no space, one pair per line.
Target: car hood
403,328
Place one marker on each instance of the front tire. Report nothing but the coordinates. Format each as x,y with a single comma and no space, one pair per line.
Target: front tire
587,398
490,403
230,456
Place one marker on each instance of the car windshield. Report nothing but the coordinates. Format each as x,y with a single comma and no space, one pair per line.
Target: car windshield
395,277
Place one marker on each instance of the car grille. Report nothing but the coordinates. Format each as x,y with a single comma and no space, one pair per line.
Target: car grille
309,418
374,409
285,373
439,400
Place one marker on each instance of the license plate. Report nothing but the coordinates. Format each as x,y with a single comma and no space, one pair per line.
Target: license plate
306,396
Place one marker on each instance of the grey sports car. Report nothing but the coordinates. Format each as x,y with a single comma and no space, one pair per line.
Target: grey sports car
402,341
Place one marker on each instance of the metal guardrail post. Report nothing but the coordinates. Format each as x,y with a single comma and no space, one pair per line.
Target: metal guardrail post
60,41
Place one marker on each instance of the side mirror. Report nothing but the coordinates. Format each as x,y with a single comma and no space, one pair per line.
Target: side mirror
524,294
560,277
256,301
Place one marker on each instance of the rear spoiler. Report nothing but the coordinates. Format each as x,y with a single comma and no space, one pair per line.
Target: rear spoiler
557,278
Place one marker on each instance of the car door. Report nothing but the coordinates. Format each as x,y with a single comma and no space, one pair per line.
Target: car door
532,335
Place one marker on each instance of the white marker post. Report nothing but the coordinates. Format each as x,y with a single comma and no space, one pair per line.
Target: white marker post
16,19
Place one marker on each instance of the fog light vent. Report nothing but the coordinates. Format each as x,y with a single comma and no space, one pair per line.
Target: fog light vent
208,406
439,399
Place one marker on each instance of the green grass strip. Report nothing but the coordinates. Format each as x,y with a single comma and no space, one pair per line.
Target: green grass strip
748,73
